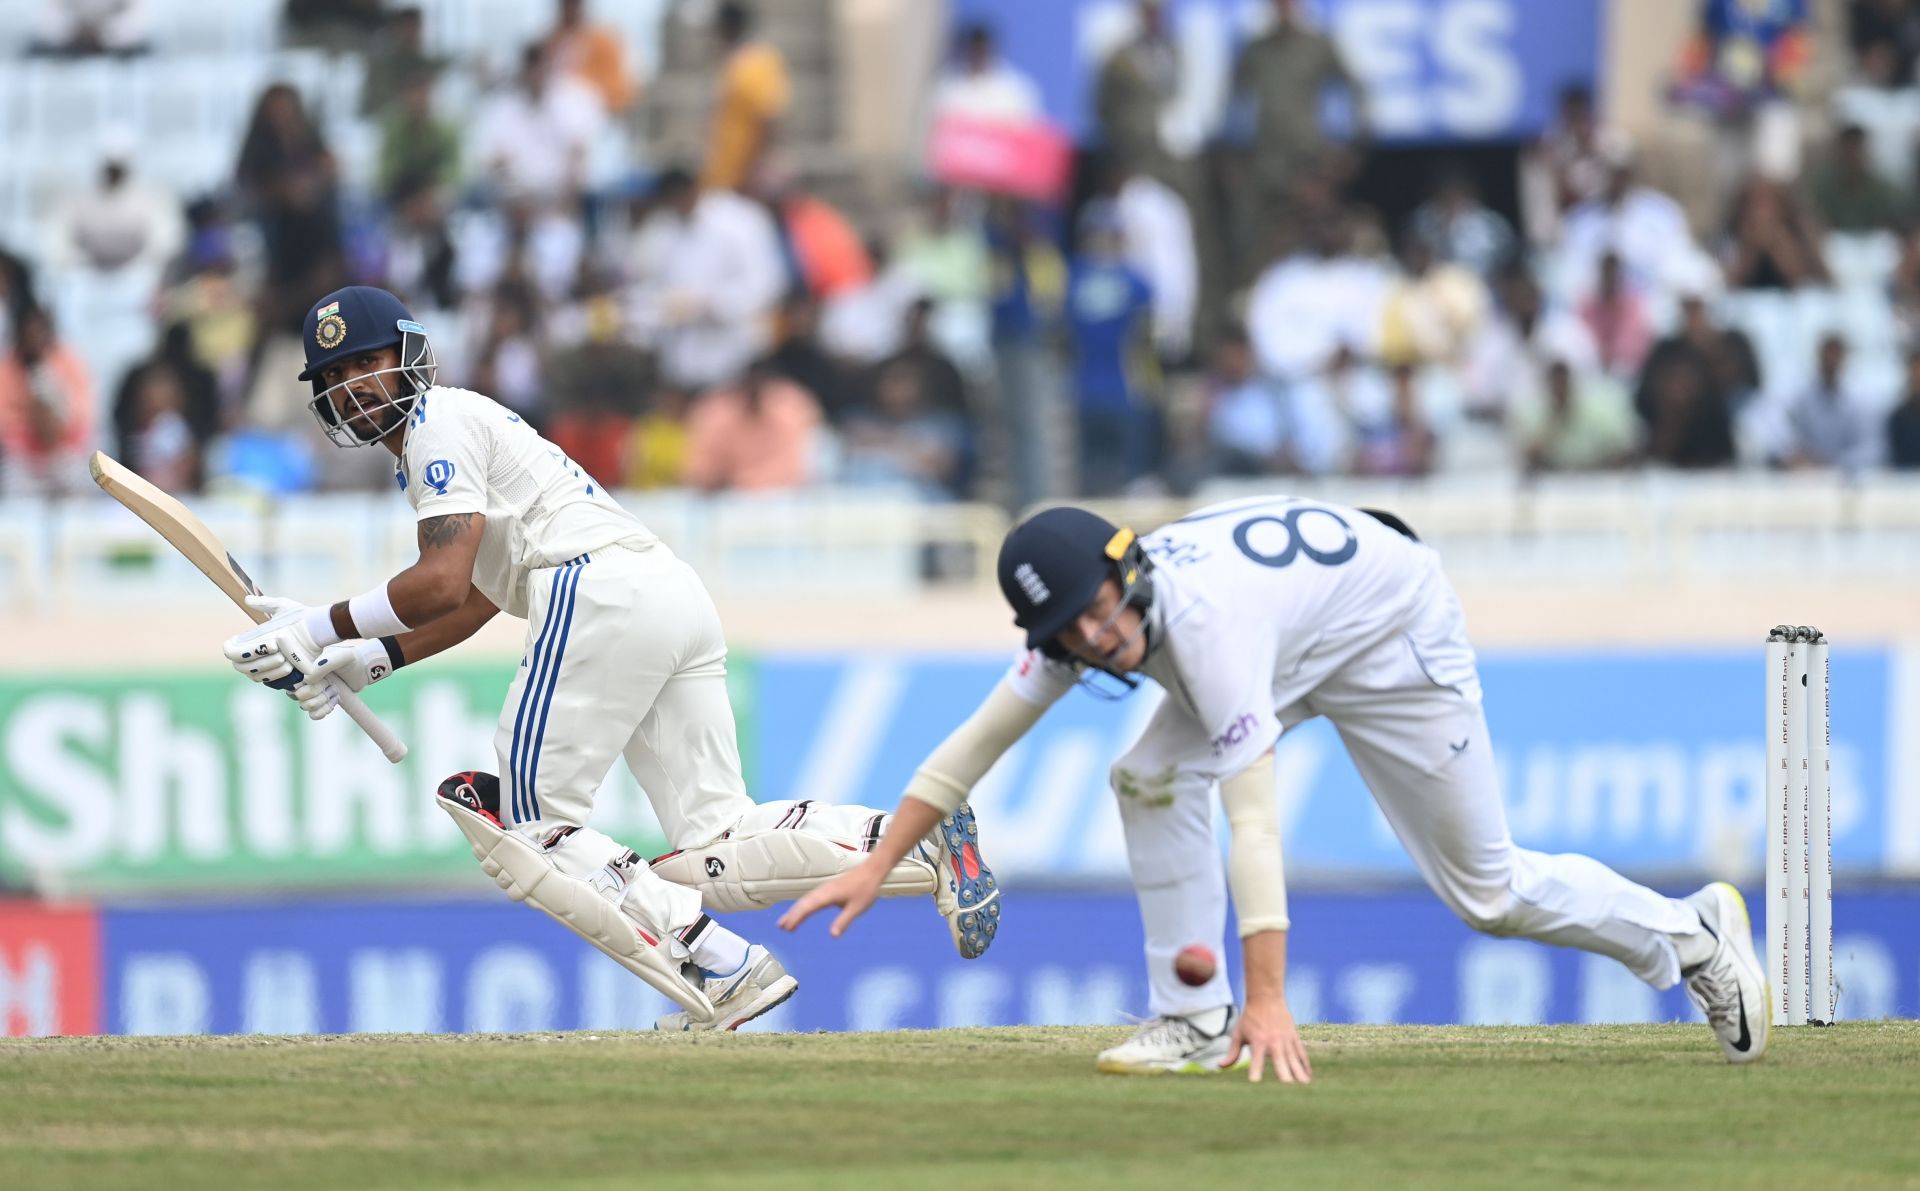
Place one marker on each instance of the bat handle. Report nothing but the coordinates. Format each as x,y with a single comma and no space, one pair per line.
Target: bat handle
375,728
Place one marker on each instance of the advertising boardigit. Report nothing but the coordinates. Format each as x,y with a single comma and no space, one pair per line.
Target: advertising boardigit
1434,70
49,970
1648,760
167,781
1061,959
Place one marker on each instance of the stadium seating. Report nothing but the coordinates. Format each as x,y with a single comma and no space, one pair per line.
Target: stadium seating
188,102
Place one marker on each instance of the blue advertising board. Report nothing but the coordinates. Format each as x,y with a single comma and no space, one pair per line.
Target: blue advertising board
1063,958
1651,761
1434,70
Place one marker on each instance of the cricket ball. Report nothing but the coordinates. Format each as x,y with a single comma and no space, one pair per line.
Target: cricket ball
1194,964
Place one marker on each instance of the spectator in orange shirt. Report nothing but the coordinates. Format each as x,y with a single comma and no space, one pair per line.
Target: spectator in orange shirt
752,97
594,54
46,405
758,436
827,247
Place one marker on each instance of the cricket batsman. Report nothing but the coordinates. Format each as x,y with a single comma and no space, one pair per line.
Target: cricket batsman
1254,616
624,657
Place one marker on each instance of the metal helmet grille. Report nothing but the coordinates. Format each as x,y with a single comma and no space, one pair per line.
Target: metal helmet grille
397,389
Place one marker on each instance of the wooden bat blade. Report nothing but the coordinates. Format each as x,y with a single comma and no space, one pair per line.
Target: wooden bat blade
176,523
190,536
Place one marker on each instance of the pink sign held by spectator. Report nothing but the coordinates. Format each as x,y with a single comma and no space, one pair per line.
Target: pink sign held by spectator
1025,160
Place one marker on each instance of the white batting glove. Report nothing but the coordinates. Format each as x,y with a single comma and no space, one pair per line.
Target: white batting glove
358,664
271,652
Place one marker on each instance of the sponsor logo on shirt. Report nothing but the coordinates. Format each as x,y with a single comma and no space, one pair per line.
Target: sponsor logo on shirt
438,475
1031,583
1236,733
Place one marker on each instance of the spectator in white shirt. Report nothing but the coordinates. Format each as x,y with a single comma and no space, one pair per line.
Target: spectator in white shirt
1506,369
80,27
1307,304
982,85
708,278
1158,233
537,136
1257,427
1566,167
1831,425
122,221
1645,227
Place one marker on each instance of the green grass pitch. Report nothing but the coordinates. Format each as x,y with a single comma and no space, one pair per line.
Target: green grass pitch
1541,1107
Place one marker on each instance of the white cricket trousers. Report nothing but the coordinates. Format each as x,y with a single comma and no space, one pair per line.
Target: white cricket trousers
1409,710
625,657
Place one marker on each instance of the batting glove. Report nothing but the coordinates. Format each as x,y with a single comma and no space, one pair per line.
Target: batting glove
275,649
357,664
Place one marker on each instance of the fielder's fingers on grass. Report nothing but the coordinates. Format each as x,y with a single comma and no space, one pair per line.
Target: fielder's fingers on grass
1286,1066
1297,1059
1235,1045
1258,1070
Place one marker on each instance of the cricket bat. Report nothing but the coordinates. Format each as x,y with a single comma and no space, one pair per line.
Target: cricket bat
191,537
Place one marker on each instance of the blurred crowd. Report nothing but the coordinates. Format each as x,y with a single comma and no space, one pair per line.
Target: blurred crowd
1198,306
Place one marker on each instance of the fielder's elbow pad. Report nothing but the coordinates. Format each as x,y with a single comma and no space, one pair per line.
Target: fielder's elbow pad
950,772
1256,872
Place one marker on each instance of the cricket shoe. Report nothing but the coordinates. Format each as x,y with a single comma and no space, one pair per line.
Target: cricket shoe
760,984
963,886
1730,986
1195,1044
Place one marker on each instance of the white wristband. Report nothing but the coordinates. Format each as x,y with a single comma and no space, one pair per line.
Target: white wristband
319,625
373,615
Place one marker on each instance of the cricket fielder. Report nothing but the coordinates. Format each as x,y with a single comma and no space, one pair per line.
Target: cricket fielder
624,657
1254,616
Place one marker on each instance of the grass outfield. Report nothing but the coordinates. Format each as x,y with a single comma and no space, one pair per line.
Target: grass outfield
957,1109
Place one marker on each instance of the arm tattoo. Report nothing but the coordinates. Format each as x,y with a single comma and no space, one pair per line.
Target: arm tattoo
438,531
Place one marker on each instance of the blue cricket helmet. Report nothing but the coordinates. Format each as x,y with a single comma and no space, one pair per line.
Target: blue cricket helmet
357,319
349,321
1052,565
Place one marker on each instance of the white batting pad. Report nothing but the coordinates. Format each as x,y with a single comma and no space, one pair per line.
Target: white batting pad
527,875
752,872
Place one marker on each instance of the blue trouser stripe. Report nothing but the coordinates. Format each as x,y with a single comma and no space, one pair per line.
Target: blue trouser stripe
535,673
553,682
540,697
535,660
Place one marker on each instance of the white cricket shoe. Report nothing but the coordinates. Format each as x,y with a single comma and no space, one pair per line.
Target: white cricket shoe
1195,1044
1731,986
963,886
759,985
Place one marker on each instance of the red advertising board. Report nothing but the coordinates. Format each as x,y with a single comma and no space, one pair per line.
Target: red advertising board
49,969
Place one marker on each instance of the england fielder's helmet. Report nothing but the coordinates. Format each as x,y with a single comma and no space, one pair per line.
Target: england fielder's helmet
348,323
1052,565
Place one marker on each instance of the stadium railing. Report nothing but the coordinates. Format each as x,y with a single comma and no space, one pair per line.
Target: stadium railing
1640,527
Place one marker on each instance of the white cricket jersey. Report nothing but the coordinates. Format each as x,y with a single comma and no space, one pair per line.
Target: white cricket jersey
465,453
1256,602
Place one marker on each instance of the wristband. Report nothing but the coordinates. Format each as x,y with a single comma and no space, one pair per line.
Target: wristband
373,614
319,626
395,657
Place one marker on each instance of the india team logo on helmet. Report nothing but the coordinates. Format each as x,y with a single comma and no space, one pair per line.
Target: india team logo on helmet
354,322
331,331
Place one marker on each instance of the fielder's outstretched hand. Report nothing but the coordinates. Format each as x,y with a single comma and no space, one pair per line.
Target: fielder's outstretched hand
852,891
1267,1029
